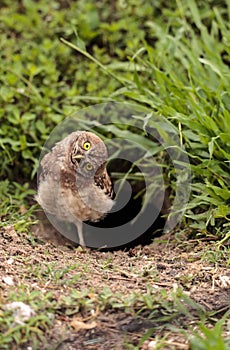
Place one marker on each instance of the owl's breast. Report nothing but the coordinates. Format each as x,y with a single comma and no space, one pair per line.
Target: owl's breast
89,203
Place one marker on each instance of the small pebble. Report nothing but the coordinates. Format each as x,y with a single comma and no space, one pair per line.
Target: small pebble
8,280
152,345
10,261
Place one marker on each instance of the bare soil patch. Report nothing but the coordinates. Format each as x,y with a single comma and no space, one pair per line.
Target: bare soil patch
165,265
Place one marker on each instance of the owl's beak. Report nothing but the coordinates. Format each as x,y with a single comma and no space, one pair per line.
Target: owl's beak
78,157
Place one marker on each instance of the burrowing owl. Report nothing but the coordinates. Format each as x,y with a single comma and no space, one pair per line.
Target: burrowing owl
74,184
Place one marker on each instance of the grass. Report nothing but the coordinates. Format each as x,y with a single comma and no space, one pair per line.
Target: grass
171,61
15,207
195,100
38,94
210,337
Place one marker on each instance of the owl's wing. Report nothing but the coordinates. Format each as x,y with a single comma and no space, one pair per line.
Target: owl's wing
105,184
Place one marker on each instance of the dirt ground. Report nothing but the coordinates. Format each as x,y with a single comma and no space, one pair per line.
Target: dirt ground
165,264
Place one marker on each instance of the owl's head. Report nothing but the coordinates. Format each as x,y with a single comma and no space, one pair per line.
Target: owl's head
88,154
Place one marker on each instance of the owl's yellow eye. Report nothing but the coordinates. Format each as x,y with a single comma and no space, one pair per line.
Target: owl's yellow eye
88,167
86,146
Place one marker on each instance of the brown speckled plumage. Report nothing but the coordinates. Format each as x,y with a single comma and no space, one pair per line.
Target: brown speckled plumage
73,183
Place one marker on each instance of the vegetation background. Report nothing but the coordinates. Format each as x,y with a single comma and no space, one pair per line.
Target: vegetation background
172,57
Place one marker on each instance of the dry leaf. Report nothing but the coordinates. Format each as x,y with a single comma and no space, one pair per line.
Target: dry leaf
78,324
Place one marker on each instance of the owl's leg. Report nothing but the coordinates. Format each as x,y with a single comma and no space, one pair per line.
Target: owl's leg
80,233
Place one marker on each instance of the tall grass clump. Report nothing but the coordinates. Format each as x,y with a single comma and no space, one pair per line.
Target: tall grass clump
181,72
